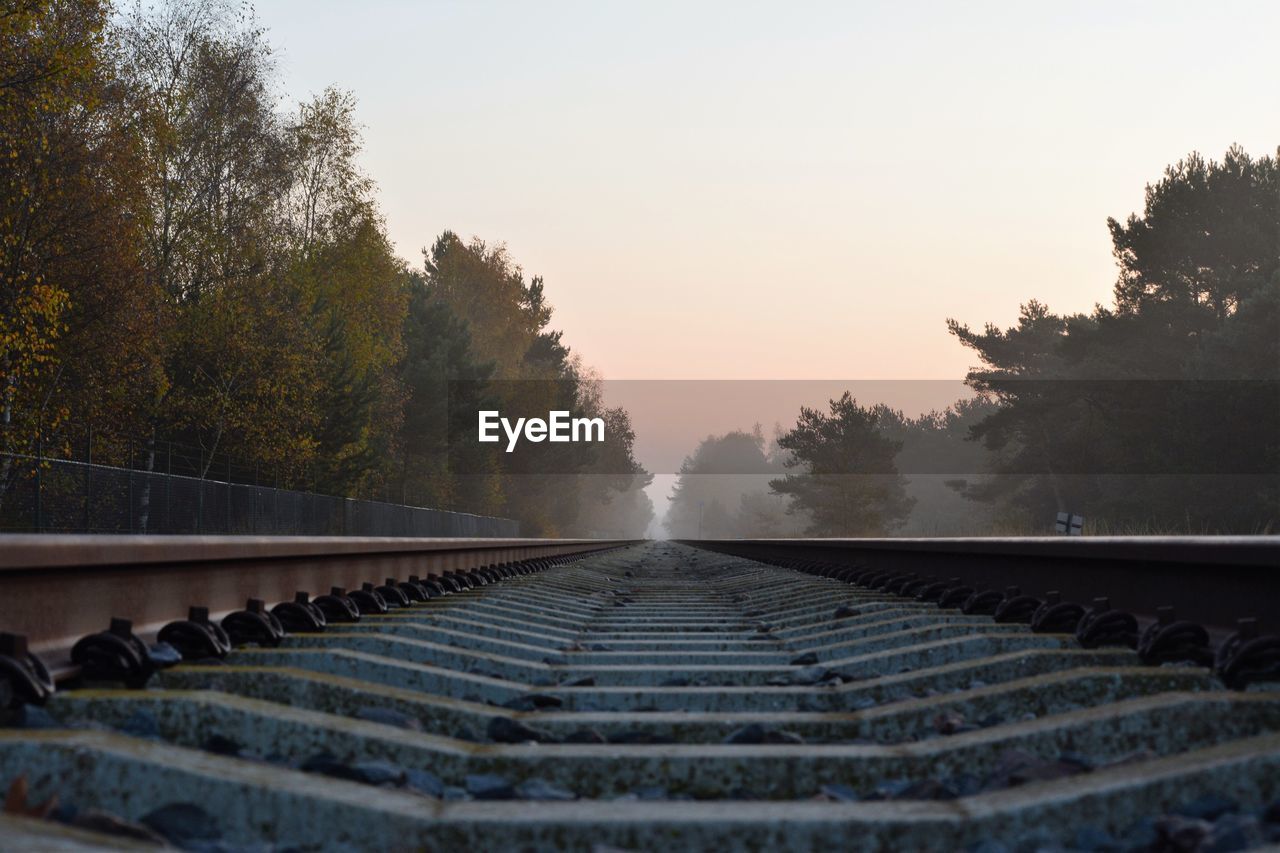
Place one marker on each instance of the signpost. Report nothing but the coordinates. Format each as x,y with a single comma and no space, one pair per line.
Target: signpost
1071,525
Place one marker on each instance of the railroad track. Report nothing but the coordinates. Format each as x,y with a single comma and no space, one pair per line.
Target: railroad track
658,697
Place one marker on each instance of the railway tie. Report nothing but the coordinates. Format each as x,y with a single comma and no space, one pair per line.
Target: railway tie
654,697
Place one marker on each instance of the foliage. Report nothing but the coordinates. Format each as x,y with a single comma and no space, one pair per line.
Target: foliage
1162,409
184,257
445,384
721,490
78,324
477,294
846,477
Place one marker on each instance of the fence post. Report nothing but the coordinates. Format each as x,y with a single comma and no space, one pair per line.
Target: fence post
88,477
130,476
199,491
168,489
39,478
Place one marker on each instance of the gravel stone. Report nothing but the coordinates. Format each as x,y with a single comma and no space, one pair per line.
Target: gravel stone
425,781
753,733
488,786
506,730
541,789
1093,839
756,733
219,745
989,845
181,823
382,773
927,789
1016,767
838,793
533,702
948,723
368,772
109,824
1178,833
888,789
1234,832
34,717
164,655
1208,807
585,736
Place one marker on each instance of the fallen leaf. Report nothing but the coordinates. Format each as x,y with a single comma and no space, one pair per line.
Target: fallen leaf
15,801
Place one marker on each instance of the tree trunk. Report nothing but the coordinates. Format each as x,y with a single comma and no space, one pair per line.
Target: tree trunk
144,497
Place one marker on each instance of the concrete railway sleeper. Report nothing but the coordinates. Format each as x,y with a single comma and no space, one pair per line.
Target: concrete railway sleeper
651,697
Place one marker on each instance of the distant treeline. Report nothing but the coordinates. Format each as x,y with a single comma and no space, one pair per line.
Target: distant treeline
185,260
1160,413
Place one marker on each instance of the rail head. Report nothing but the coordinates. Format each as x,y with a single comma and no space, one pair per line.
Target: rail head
1215,580
1219,550
55,589
27,551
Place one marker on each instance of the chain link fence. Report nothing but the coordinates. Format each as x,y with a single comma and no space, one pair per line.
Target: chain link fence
165,488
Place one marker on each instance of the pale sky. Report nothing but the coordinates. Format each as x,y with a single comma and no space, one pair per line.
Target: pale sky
785,190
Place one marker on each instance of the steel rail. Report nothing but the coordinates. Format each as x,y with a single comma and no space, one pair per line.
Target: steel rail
1214,580
56,589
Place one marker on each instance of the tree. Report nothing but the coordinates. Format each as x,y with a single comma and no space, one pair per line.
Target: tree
240,359
344,265
200,76
1027,375
611,497
446,385
937,462
1206,241
182,259
847,479
78,325
762,516
482,286
50,58
545,485
287,299
1161,410
713,482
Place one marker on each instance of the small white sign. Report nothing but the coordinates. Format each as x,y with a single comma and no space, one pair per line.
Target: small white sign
1072,525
